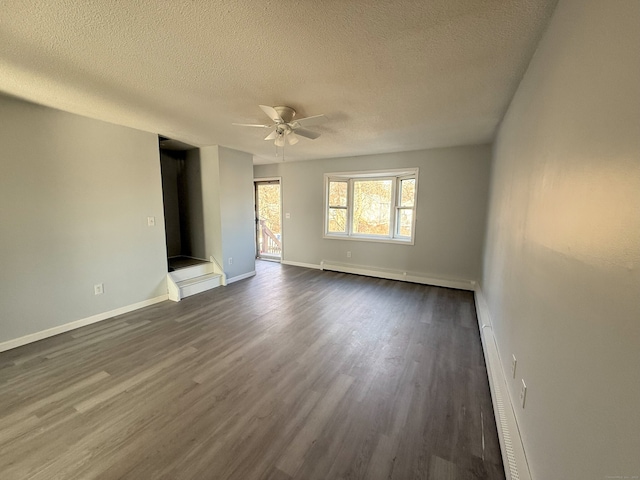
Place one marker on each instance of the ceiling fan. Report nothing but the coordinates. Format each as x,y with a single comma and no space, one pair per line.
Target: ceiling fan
285,127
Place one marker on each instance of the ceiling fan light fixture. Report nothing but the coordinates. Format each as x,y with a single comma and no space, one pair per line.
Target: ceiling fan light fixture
285,125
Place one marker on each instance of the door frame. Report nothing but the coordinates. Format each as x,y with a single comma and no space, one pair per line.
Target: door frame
256,181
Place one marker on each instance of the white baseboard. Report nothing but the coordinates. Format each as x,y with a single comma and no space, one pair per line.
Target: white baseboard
50,332
514,458
240,277
398,275
301,264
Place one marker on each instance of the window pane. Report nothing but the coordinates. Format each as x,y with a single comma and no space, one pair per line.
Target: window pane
405,222
408,192
372,207
269,205
338,194
337,220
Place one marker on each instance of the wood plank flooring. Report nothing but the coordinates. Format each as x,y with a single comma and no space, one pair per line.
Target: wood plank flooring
292,374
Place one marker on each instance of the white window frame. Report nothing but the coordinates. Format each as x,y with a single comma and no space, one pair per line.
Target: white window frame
394,209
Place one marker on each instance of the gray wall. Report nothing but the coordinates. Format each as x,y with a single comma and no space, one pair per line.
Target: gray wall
227,192
75,195
238,216
211,208
562,256
192,217
452,196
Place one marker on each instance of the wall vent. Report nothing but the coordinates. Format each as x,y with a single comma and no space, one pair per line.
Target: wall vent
514,459
503,423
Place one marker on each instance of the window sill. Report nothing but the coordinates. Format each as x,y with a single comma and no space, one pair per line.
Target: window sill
397,241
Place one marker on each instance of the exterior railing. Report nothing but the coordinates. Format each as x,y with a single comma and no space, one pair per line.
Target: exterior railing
269,243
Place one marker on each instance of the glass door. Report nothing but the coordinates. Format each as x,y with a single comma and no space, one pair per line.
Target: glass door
268,220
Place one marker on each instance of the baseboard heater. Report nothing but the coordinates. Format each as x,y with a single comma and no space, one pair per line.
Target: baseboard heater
390,274
513,454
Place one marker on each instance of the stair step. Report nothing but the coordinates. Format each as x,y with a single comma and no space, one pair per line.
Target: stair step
191,272
194,280
202,283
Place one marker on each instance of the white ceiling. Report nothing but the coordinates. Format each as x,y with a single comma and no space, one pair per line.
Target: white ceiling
389,75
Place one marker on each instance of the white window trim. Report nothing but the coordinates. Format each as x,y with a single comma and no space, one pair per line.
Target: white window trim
397,175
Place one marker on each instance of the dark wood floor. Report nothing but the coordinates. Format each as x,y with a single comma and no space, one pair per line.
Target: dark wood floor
292,374
176,263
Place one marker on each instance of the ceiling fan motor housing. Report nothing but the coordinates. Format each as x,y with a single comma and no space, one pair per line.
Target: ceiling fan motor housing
286,113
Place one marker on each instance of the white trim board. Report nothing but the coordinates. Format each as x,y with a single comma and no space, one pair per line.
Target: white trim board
514,457
301,264
398,275
50,332
237,278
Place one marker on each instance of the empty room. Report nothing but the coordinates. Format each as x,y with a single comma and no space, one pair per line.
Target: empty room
259,240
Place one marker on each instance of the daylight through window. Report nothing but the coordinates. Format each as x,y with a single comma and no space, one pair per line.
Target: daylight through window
377,206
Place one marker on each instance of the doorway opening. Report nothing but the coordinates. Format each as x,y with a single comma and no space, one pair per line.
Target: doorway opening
182,199
268,219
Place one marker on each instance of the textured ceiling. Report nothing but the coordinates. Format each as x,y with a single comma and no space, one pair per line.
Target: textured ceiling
389,75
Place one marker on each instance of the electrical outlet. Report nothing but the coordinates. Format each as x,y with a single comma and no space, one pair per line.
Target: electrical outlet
98,289
514,362
523,393
348,254
230,260
287,215
151,221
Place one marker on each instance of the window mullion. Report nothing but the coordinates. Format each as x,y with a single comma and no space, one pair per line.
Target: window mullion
392,208
350,207
327,204
399,207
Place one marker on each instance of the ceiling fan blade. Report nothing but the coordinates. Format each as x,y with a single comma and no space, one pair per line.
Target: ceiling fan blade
279,141
292,138
271,112
307,133
272,135
251,125
308,121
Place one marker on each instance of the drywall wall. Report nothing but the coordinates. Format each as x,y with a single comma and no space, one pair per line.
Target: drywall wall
451,209
75,195
237,214
227,192
211,203
192,217
562,255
